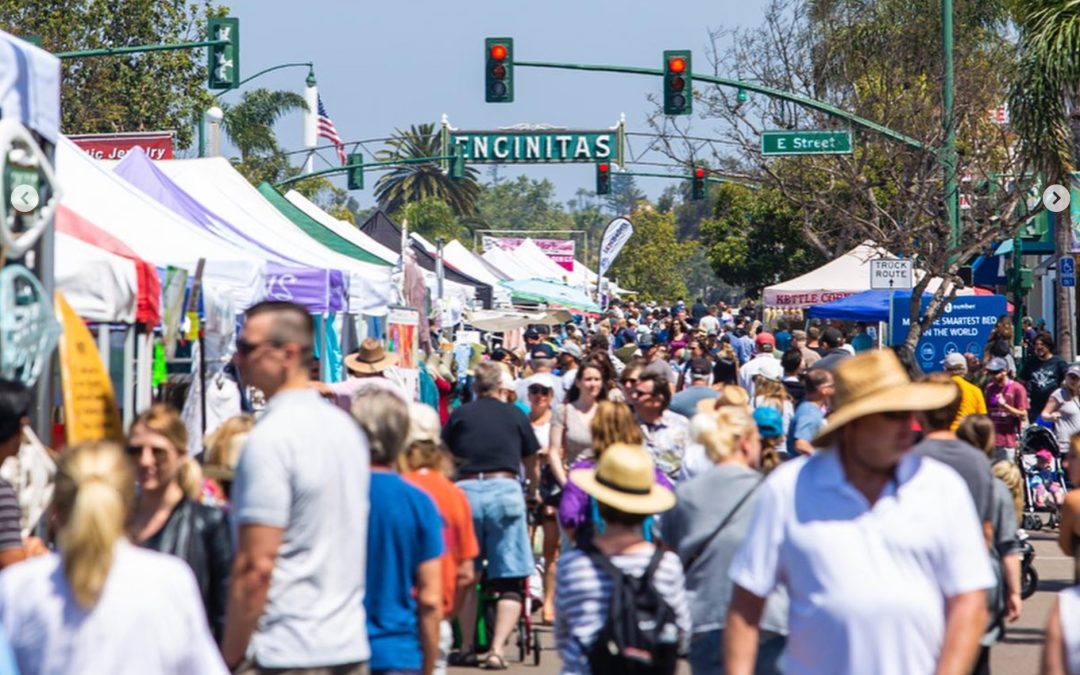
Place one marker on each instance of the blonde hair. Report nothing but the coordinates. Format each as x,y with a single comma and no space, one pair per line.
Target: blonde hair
771,390
731,394
613,423
721,430
93,496
165,421
424,448
1009,474
770,456
223,444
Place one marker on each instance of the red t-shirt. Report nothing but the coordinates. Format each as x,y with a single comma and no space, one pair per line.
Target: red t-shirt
458,532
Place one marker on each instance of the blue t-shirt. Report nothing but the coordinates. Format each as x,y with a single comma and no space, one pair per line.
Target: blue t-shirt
405,530
805,425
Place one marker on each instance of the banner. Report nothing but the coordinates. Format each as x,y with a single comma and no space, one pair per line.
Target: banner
559,250
156,144
90,411
402,326
964,326
616,234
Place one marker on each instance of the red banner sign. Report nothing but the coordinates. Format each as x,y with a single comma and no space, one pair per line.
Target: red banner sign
157,144
559,250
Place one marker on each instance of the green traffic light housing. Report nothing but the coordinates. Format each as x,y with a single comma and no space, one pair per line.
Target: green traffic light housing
223,61
678,89
499,70
457,162
355,162
697,188
603,178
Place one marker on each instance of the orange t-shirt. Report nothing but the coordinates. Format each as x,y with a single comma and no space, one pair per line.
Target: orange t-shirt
458,532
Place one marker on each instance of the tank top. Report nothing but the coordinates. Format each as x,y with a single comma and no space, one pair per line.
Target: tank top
1069,614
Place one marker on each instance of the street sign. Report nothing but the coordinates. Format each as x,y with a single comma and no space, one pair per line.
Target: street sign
891,275
1067,271
805,143
528,147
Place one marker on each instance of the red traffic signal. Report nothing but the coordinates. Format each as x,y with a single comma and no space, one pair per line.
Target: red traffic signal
499,70
678,90
677,65
498,52
602,167
699,173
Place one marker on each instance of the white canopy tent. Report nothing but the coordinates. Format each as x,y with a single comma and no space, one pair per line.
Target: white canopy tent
101,287
477,268
153,232
215,183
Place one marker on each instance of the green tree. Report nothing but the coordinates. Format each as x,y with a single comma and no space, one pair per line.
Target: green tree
432,219
249,124
624,194
756,238
130,92
521,204
652,261
415,182
1043,101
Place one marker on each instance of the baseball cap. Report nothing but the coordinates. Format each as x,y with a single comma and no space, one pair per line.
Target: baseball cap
771,370
1074,369
954,360
532,334
700,367
542,351
546,380
572,349
996,364
646,340
765,339
770,422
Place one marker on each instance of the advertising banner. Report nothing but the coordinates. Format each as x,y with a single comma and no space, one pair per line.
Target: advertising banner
156,144
90,411
616,234
559,250
402,326
963,327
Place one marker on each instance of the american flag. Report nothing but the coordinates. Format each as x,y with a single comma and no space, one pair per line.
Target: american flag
329,132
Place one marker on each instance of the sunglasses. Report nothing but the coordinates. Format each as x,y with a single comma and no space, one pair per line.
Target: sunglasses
245,348
538,390
136,451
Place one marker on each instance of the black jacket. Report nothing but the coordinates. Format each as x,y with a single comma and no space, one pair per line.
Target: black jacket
199,534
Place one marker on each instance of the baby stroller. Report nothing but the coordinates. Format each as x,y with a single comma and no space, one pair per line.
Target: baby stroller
1039,439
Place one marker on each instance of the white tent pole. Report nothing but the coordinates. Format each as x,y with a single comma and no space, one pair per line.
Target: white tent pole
103,344
129,375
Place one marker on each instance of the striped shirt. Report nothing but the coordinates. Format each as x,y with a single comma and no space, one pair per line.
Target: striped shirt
582,591
10,518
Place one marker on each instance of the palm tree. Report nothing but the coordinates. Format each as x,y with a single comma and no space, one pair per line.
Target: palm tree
1044,109
249,124
415,182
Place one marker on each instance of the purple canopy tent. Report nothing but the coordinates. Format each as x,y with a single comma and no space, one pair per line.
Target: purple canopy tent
320,290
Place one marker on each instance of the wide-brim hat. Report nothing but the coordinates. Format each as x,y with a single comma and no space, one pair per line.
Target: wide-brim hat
624,478
371,358
875,382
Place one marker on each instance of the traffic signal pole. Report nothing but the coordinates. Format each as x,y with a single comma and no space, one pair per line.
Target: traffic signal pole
373,165
135,49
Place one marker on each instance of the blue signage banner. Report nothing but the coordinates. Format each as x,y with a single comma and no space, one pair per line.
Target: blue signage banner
963,327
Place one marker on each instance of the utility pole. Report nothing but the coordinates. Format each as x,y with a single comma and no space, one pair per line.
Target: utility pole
948,151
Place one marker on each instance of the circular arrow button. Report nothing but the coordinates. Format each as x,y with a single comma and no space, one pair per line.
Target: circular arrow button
1056,198
24,198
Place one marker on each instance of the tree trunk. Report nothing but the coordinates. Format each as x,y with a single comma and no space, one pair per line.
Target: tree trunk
1063,299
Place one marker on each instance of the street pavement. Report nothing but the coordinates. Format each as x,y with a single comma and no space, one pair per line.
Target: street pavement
1019,654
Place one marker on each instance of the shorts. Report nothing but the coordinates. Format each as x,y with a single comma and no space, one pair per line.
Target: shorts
500,520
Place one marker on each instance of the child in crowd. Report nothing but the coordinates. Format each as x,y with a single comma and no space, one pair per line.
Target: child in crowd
1043,480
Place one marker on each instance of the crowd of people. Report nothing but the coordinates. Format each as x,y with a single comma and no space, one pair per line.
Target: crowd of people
661,482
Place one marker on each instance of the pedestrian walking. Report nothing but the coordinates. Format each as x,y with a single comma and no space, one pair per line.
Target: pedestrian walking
169,516
490,440
972,401
700,380
403,598
911,596
810,414
832,351
1007,405
771,393
15,401
102,605
1043,372
1063,409
620,559
710,519
300,512
666,434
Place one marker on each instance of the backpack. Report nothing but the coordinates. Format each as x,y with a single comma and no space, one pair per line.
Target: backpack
639,635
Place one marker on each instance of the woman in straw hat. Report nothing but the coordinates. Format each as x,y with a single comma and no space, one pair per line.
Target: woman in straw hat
911,596
624,485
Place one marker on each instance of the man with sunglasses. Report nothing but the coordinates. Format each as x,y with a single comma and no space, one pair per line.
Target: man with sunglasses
300,507
878,579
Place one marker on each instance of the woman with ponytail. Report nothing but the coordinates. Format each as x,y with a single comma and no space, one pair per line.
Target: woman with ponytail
168,515
102,605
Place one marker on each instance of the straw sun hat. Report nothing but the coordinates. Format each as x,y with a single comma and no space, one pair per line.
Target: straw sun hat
624,479
370,358
875,382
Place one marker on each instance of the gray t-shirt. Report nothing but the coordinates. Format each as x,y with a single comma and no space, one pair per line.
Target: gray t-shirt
703,503
1069,424
306,469
972,465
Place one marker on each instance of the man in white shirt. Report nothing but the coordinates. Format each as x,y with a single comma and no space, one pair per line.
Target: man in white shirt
878,581
763,363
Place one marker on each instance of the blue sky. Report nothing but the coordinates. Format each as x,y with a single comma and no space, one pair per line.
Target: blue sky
382,65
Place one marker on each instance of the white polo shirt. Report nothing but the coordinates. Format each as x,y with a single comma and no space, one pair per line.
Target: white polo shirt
867,583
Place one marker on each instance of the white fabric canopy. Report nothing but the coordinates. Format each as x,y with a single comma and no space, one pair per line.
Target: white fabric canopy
847,275
100,286
29,86
215,183
511,265
152,231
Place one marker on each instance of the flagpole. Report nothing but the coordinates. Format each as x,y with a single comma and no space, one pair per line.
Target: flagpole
311,121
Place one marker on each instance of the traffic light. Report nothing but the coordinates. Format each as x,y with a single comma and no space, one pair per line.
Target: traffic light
697,188
603,178
499,70
457,163
223,61
678,94
356,171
